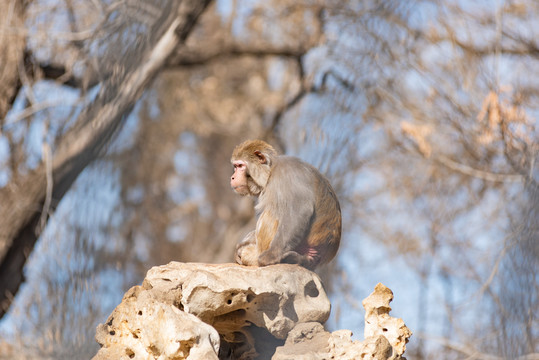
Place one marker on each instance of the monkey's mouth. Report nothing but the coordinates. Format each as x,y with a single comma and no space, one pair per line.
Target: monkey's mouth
241,189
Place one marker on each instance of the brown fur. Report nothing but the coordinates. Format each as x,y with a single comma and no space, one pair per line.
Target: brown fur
265,231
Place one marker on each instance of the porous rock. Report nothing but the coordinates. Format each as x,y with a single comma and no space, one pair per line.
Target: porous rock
228,311
385,336
144,328
250,307
378,321
230,297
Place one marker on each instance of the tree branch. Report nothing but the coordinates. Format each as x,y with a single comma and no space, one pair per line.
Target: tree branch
22,201
480,174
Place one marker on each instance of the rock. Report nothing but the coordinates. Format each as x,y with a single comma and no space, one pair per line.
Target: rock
321,345
385,336
306,341
142,327
378,322
228,311
230,297
250,307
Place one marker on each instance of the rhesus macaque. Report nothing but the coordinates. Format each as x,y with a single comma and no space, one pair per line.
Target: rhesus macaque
299,217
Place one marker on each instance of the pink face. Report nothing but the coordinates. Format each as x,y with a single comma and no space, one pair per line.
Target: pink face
238,180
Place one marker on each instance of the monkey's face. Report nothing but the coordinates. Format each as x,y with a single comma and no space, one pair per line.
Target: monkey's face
239,180
252,167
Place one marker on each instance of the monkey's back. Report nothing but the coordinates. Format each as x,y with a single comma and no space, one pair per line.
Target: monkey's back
325,233
303,182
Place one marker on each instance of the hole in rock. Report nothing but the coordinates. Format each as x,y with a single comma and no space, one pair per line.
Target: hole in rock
311,289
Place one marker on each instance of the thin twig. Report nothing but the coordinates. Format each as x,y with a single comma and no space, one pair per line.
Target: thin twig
29,111
47,159
480,174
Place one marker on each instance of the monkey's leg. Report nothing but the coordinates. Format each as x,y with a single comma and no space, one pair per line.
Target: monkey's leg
292,229
307,261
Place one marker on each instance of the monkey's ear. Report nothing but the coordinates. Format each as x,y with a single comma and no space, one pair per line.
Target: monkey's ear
261,157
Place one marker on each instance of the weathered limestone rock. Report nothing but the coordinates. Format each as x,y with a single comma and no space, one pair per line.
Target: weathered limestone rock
142,327
385,336
230,297
227,311
250,307
305,341
378,322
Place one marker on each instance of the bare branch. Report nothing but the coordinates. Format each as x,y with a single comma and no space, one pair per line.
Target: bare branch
480,174
194,58
47,159
29,111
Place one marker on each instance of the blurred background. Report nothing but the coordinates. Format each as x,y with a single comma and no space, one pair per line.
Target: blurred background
423,114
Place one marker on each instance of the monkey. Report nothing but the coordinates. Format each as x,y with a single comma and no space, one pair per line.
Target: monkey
299,215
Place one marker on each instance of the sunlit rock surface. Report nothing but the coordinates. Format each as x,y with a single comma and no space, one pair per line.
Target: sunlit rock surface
144,327
228,311
385,336
379,323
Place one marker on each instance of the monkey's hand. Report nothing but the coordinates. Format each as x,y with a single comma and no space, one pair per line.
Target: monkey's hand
246,254
246,251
